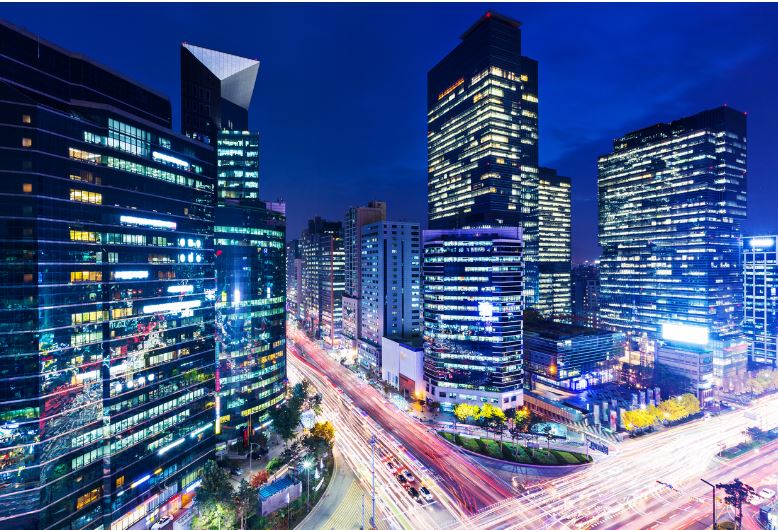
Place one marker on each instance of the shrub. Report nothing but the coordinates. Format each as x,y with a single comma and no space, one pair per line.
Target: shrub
544,457
492,448
274,465
449,436
565,457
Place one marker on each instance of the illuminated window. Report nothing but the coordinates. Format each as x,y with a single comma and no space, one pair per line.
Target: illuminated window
26,118
86,276
27,187
86,156
120,482
89,197
79,235
88,498
26,142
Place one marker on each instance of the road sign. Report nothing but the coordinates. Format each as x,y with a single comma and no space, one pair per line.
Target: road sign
598,447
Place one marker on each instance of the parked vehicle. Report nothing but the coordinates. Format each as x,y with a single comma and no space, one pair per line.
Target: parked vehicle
162,523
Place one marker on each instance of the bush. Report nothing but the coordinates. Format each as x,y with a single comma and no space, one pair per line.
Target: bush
565,457
544,457
274,465
492,448
449,436
471,444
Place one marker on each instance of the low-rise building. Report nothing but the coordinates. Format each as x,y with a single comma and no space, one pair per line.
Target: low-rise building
567,356
403,365
279,494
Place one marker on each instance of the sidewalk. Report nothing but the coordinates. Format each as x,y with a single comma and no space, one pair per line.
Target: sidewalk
340,507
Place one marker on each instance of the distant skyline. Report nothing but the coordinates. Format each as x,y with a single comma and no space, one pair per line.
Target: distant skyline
340,98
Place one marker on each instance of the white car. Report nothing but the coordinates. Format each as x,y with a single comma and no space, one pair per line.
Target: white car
767,493
425,493
162,523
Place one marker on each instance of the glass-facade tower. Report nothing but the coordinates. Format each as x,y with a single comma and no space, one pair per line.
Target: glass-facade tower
554,242
106,332
482,137
473,313
672,198
760,298
250,246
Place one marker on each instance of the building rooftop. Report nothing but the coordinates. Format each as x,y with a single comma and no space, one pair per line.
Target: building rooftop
413,343
265,492
488,16
558,331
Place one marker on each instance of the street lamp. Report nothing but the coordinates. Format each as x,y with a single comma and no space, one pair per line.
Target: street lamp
307,464
714,501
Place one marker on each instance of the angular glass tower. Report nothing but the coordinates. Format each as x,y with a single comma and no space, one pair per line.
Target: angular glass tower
482,137
760,298
554,219
106,318
672,198
473,311
249,241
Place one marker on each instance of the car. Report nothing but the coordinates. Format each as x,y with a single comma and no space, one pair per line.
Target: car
236,471
425,493
162,523
390,465
767,493
415,494
408,475
402,480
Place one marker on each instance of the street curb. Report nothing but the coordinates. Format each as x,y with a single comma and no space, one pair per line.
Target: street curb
326,491
536,466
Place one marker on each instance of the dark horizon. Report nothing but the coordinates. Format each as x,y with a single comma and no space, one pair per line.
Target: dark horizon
341,124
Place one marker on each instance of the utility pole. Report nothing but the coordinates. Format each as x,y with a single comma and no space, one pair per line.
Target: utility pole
372,466
714,501
363,511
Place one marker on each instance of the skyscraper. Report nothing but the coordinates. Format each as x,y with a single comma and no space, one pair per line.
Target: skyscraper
760,301
250,243
480,259
294,277
356,218
321,251
672,198
473,316
107,335
585,298
482,102
554,254
390,301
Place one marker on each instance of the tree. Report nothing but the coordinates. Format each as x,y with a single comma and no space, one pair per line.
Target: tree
638,419
736,493
690,403
320,438
672,410
245,503
286,418
492,418
259,478
519,424
465,411
220,516
215,487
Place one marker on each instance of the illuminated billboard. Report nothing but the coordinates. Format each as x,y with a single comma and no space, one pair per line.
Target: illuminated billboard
685,333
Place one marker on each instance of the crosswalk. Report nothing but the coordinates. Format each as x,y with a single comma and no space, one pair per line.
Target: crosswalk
348,515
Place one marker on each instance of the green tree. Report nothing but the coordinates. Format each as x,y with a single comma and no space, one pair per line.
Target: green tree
215,487
320,438
219,516
286,418
492,418
245,503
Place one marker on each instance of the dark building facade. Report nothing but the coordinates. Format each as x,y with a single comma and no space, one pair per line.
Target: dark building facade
473,311
672,198
322,280
482,134
569,357
585,295
106,327
250,244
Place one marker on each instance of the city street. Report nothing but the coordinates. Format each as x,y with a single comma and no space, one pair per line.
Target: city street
619,491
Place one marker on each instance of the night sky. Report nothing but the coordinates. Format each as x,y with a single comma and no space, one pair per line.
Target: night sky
340,97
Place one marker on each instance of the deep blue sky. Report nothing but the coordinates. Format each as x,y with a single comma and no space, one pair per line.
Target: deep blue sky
340,98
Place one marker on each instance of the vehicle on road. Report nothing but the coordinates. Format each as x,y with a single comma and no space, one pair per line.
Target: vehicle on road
425,493
402,480
408,475
162,523
390,465
415,494
236,471
767,493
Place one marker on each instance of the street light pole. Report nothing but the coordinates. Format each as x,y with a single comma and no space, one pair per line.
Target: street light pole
714,501
372,466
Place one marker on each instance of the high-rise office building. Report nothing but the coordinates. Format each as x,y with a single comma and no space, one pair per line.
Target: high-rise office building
321,251
107,334
216,91
585,296
356,218
249,234
672,198
294,281
390,300
482,134
760,298
473,310
554,245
